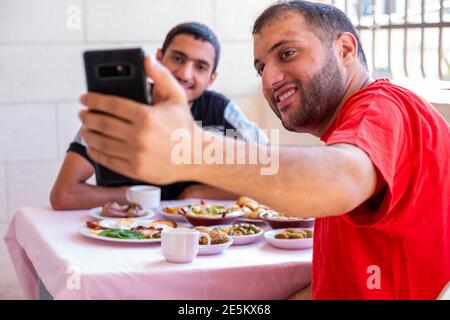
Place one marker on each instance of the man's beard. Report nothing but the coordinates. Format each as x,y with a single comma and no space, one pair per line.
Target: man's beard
319,98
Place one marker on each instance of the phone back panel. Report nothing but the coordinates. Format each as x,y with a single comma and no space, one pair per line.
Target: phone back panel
118,72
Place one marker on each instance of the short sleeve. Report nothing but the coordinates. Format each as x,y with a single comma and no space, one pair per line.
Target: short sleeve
78,146
247,130
376,126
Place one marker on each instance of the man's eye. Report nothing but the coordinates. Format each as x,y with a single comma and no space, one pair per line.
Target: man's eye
286,54
260,71
202,67
177,59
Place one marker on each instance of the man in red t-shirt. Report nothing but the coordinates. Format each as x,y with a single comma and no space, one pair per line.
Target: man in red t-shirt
396,244
379,188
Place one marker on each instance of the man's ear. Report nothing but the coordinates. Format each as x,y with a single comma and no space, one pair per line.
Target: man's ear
212,79
159,55
347,48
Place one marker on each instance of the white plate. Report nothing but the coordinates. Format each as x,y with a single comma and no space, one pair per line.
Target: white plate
95,213
85,231
214,248
241,240
174,217
288,243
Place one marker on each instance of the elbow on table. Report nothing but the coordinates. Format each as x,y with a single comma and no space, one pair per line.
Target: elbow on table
59,200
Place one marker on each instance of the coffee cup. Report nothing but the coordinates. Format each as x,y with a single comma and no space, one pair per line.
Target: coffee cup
180,245
145,196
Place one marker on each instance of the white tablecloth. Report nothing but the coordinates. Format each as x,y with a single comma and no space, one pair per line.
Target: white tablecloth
47,244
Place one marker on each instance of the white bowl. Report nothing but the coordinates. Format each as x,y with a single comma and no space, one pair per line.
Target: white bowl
290,244
241,240
204,250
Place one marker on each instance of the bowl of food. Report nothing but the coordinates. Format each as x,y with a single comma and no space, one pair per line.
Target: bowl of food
290,238
241,233
279,221
219,241
173,212
211,214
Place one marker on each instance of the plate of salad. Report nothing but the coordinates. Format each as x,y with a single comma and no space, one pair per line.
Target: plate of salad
126,230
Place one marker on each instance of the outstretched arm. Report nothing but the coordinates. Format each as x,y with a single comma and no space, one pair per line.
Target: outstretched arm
139,142
310,181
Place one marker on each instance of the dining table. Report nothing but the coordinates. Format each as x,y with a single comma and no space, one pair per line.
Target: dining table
53,259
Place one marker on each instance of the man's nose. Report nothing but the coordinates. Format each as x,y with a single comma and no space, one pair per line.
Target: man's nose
185,72
271,77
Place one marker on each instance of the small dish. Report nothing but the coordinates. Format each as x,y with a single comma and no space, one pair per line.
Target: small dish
281,222
205,250
241,239
209,221
289,244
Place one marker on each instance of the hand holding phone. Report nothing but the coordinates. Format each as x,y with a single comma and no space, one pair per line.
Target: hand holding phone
118,72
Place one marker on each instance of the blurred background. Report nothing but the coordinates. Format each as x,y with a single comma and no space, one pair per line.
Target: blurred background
41,72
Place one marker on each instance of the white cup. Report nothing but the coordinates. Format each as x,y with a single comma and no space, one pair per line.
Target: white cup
180,245
146,196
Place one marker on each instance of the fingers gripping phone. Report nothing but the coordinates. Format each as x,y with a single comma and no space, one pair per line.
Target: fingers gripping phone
118,72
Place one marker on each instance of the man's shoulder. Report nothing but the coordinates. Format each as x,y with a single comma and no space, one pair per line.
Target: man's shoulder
381,96
384,90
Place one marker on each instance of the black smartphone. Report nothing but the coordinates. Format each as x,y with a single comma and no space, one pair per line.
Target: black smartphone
118,72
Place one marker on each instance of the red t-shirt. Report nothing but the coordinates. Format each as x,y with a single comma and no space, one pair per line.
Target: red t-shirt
396,245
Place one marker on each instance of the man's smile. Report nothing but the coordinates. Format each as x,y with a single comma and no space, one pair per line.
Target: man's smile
284,96
186,85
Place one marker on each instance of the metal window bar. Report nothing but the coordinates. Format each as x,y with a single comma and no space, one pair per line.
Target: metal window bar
389,3
422,37
405,42
405,26
374,29
441,33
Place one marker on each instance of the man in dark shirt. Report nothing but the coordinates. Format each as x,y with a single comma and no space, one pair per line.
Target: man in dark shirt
191,52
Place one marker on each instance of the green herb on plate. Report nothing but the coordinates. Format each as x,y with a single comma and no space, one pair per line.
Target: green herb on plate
121,234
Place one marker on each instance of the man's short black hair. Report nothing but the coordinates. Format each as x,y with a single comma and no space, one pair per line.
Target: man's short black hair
326,21
199,32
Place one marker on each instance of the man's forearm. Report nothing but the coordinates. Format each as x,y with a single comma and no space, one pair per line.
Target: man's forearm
309,182
201,191
86,196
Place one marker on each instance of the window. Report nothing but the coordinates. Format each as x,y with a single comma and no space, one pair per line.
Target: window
404,39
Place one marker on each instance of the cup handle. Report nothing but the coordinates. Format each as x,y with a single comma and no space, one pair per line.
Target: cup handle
127,195
204,234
